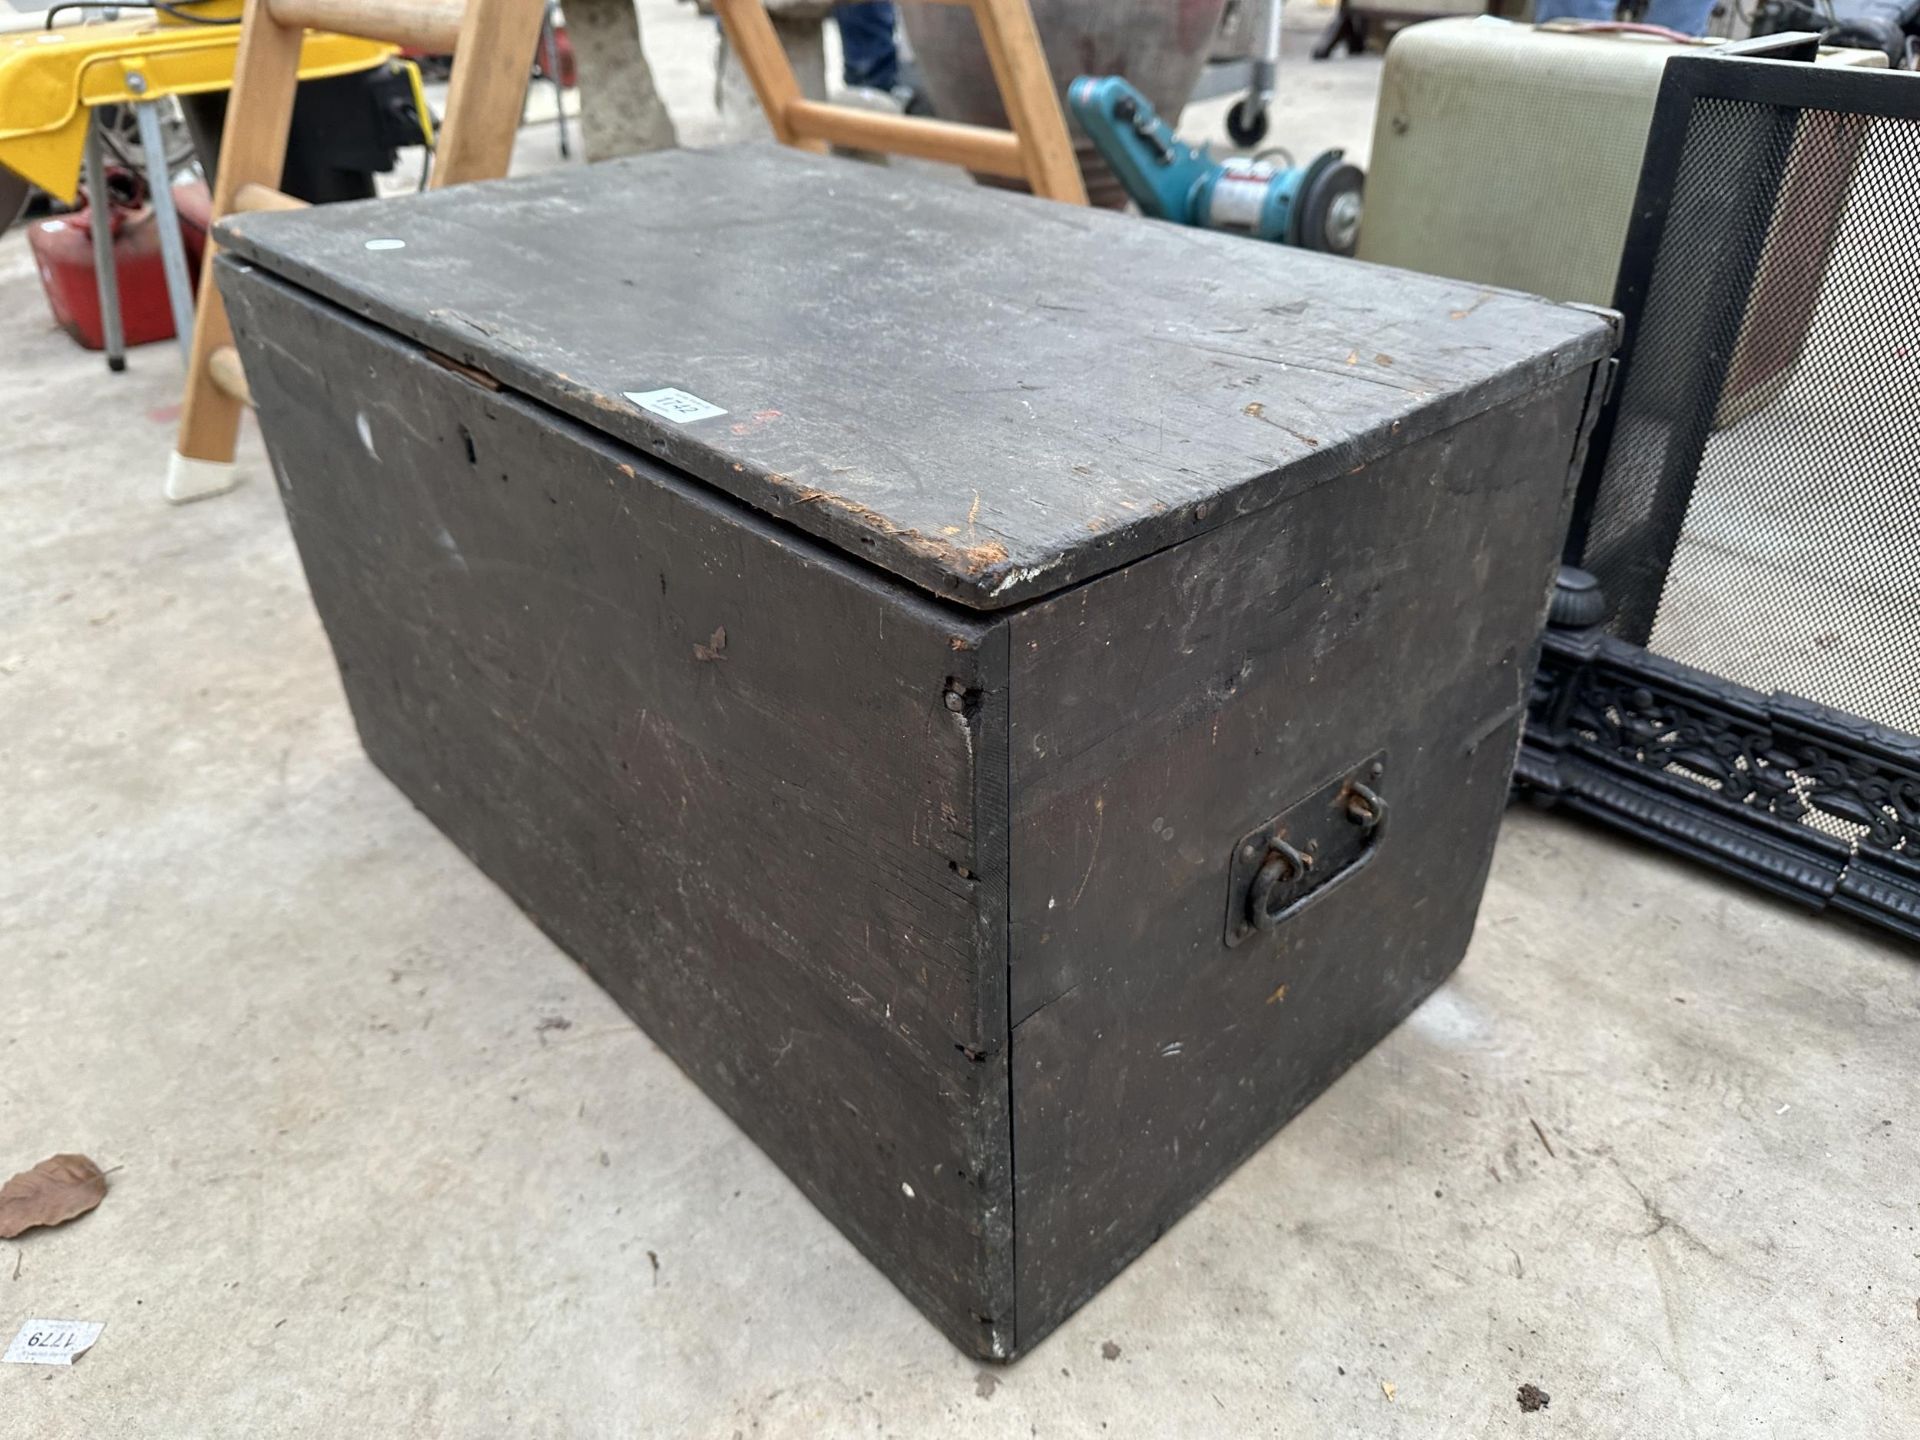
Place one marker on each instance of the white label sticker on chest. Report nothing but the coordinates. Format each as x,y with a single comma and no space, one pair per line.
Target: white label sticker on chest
673,404
52,1342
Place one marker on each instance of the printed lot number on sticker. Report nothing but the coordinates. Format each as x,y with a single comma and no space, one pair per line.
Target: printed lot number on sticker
52,1342
671,404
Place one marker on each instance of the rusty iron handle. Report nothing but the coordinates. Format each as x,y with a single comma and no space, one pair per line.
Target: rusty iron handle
1365,807
1293,859
1284,863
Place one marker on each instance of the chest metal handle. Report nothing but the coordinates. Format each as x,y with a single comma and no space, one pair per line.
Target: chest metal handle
1272,891
1294,859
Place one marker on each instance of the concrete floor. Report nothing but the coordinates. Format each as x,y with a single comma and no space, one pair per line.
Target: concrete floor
385,1163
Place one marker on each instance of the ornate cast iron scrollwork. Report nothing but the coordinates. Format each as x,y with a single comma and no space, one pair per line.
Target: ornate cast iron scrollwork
1777,768
1747,782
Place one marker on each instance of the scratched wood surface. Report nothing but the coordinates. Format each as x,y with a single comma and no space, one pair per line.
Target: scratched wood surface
988,395
714,760
1161,713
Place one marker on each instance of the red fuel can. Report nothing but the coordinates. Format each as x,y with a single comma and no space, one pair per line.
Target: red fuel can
63,254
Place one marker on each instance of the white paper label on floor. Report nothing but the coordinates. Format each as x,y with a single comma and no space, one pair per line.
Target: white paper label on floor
52,1342
671,404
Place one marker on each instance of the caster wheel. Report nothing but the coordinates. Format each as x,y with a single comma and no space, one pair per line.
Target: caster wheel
1246,126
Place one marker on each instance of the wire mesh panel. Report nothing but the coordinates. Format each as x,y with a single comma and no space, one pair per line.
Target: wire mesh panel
1759,514
1751,507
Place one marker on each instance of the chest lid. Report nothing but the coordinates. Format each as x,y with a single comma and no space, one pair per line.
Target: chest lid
989,396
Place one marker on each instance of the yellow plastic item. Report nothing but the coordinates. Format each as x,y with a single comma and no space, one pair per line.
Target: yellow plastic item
420,105
51,79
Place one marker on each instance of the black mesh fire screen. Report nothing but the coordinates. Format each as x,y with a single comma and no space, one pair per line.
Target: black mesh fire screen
1750,692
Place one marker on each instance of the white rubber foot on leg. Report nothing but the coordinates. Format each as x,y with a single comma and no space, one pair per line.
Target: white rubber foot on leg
189,479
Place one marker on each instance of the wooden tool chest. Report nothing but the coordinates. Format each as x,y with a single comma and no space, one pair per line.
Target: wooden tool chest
1013,699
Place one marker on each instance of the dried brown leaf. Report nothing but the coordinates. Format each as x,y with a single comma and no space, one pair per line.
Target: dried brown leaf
51,1193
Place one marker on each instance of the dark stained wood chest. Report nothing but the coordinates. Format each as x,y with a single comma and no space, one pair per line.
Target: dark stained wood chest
1014,699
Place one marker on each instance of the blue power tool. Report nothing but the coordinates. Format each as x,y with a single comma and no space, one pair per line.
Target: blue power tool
1315,206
